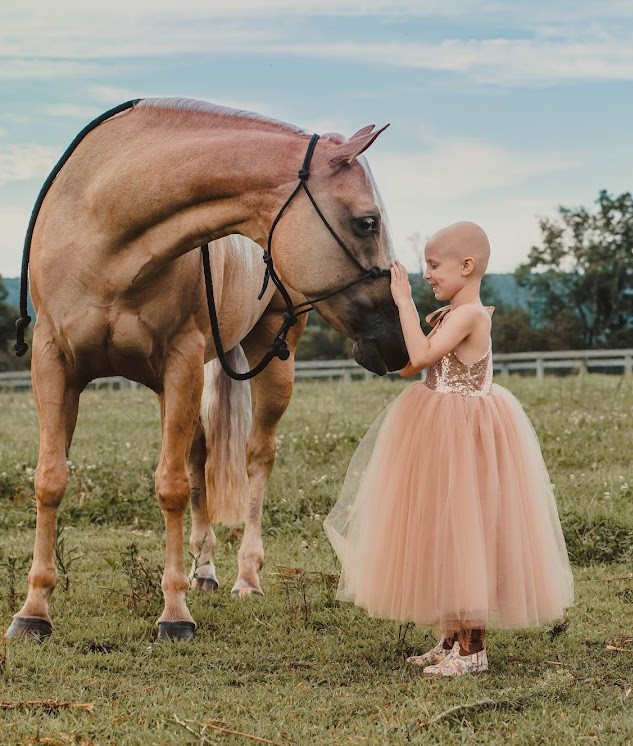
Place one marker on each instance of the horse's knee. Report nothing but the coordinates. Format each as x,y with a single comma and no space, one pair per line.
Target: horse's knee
261,456
173,490
50,483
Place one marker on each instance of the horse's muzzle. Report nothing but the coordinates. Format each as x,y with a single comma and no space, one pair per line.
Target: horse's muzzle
381,355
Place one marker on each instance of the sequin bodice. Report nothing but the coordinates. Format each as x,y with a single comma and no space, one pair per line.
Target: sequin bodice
451,376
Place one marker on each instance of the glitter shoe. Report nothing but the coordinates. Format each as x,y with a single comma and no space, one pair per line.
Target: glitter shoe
457,665
431,657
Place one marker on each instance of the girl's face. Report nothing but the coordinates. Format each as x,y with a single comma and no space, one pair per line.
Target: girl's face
443,273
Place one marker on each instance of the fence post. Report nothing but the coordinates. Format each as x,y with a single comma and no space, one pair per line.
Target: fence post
628,365
582,367
540,367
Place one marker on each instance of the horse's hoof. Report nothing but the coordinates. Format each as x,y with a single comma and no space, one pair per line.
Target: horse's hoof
206,585
176,631
29,626
244,592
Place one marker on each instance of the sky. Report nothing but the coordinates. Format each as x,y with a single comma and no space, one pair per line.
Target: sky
499,111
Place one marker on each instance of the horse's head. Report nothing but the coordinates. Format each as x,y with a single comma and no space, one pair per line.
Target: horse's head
313,263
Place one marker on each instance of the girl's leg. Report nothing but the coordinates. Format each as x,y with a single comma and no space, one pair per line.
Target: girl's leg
471,641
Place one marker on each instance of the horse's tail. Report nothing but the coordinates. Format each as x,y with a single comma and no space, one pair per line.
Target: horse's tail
226,416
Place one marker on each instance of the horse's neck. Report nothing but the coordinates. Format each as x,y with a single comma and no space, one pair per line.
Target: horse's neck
197,184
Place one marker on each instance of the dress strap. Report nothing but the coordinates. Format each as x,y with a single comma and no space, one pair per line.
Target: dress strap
434,318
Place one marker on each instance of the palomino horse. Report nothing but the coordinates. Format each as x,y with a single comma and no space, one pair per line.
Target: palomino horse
117,286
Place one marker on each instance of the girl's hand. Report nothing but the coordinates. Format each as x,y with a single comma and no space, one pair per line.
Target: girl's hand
400,287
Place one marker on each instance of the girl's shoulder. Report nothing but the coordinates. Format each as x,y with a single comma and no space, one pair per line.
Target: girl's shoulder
474,312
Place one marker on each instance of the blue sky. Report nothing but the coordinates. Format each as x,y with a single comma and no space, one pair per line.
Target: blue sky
499,111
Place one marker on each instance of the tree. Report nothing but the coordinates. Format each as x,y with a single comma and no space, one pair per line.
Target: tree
581,276
8,315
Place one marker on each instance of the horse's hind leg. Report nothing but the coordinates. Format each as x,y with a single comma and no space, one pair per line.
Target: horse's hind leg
271,391
57,403
202,542
179,404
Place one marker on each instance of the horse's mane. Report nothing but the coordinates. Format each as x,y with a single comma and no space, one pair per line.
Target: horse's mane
191,107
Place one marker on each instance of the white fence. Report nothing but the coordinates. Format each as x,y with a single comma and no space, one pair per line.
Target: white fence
580,361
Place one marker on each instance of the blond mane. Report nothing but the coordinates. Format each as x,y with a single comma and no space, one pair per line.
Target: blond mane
189,107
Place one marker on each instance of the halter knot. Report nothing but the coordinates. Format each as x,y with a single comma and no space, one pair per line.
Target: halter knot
279,348
303,174
289,318
268,258
376,272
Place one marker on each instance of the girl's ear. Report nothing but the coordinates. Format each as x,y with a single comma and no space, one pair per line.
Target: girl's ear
357,144
468,265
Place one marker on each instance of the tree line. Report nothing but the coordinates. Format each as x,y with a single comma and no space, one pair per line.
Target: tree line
576,289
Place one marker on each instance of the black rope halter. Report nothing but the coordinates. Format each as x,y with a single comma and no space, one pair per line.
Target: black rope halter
279,347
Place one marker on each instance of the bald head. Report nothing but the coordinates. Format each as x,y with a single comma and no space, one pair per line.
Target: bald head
460,240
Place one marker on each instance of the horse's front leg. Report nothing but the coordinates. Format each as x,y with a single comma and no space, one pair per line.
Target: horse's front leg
179,404
57,404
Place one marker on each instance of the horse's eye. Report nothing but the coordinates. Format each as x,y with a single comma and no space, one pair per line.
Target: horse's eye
366,226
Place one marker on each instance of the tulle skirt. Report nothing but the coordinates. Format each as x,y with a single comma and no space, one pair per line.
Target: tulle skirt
447,516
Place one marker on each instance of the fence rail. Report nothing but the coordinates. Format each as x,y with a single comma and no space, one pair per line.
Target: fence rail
581,361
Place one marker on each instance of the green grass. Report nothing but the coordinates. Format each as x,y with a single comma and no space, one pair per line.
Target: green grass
297,666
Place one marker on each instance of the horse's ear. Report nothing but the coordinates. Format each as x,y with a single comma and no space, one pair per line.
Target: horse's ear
357,144
365,131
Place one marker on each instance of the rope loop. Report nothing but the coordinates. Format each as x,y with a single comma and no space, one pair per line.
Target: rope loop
289,318
20,346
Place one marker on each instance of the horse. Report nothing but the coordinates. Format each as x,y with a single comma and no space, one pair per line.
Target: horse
118,289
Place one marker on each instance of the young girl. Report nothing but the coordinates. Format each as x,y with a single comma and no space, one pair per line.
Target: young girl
447,516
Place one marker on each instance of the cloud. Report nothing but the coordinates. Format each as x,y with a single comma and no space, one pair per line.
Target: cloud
72,111
465,180
111,94
15,68
14,220
461,168
25,162
547,43
505,62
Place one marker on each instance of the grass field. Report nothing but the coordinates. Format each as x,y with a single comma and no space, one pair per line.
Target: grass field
297,667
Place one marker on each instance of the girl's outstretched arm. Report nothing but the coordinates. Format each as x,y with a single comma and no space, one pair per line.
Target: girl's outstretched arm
424,351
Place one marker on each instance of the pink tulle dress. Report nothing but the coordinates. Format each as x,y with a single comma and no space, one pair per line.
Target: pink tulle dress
447,516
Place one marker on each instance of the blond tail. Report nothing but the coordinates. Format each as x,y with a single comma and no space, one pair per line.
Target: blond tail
226,416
